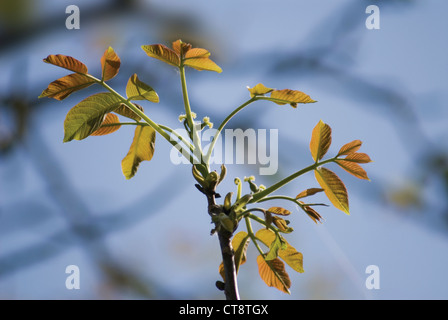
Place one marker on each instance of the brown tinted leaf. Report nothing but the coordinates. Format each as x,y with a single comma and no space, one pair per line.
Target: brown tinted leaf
197,53
334,188
66,62
181,48
279,211
63,87
308,192
350,147
259,89
292,97
106,127
142,148
353,168
273,273
281,224
161,52
316,217
358,158
320,140
110,64
123,110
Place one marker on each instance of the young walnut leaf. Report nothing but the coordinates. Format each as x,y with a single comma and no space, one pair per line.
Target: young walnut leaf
334,188
240,242
138,90
66,62
123,110
282,224
65,86
358,158
349,148
279,211
288,253
273,273
313,214
320,140
203,64
87,116
259,90
110,64
293,97
161,52
308,192
353,168
142,148
107,126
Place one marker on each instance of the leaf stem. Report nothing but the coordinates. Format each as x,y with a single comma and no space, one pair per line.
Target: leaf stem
252,235
260,195
223,124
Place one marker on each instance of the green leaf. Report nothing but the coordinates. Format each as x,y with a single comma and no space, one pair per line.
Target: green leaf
288,253
274,248
87,116
334,188
104,129
163,53
65,86
202,64
66,62
320,140
273,273
142,148
110,64
138,90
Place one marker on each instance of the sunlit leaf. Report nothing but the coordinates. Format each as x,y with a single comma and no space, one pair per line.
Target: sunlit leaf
161,52
288,253
358,158
308,192
138,90
142,148
353,168
274,248
87,116
320,140
313,214
197,53
273,273
279,211
106,126
110,64
334,188
66,62
181,47
240,242
292,97
350,147
203,64
123,110
282,224
259,89
63,87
